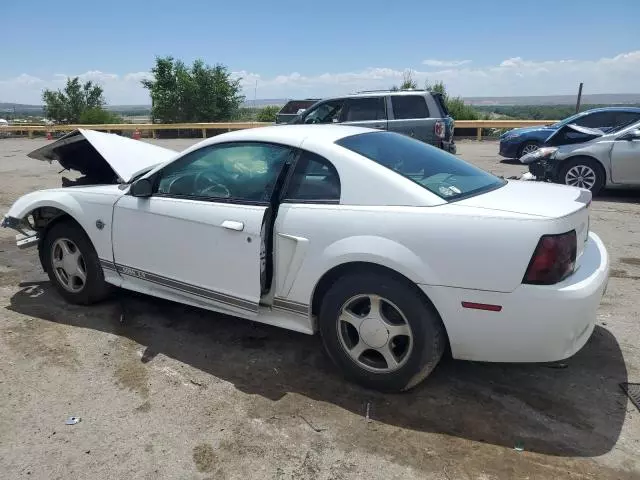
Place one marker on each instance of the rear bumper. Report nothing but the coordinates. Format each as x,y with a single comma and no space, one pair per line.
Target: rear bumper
537,323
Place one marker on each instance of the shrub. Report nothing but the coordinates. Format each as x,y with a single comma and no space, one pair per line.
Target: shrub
268,113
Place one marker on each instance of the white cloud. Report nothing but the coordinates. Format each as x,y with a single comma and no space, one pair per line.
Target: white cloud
512,76
445,63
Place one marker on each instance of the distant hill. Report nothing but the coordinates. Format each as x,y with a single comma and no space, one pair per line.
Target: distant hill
593,99
21,108
264,102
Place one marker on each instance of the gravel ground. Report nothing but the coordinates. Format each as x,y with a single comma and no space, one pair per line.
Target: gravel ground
176,392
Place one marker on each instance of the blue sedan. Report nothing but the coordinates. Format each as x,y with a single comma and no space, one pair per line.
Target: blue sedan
520,141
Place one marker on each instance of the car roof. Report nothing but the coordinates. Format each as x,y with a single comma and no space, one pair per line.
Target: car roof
613,109
292,135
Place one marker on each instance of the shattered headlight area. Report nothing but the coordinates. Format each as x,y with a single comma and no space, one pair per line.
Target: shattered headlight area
537,155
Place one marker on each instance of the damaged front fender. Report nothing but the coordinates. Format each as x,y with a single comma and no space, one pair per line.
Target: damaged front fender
17,218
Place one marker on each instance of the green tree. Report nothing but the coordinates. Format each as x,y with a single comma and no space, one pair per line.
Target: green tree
456,106
408,83
68,105
200,93
268,113
99,116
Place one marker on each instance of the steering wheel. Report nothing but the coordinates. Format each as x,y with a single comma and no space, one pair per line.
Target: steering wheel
213,183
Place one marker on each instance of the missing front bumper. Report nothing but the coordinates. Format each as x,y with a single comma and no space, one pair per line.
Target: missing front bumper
26,237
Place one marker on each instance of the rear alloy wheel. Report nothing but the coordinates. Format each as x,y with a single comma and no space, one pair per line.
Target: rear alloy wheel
528,147
380,331
374,333
582,173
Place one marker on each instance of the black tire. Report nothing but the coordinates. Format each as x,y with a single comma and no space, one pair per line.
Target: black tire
95,288
584,162
429,336
525,145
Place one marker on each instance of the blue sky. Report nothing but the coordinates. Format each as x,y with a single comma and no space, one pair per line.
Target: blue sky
495,47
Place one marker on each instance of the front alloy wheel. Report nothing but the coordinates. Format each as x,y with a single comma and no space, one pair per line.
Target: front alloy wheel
581,176
528,147
72,264
582,172
68,265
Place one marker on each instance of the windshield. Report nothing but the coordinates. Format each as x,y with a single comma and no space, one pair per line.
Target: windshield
570,119
327,112
432,168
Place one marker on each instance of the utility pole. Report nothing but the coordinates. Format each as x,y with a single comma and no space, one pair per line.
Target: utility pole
579,98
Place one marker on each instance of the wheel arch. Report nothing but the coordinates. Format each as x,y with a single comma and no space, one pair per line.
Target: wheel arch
590,158
353,267
47,217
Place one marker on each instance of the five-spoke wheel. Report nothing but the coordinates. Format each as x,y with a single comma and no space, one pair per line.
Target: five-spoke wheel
381,330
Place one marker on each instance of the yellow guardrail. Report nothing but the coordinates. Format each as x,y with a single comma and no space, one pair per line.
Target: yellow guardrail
203,127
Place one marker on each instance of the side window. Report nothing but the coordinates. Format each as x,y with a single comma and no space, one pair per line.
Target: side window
625,118
233,171
314,179
409,106
363,109
596,120
327,112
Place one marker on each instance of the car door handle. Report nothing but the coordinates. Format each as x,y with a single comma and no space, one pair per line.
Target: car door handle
233,225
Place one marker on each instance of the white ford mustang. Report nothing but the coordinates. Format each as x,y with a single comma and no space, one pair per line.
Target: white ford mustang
392,249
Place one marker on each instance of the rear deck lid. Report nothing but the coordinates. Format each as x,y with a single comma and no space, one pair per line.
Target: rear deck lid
103,155
564,208
532,198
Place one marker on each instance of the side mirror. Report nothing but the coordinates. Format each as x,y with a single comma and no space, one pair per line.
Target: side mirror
141,188
632,135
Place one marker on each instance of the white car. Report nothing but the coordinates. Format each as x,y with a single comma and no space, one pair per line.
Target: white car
391,249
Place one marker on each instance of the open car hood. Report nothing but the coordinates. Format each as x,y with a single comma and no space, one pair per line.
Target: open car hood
105,157
570,134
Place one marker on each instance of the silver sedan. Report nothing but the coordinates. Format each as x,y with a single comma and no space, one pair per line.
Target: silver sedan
589,158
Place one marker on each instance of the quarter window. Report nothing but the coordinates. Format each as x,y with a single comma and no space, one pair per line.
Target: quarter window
409,106
314,179
237,171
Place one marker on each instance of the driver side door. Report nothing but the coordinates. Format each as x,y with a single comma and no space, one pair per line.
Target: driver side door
197,239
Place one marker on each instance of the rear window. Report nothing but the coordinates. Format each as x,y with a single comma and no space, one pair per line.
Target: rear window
432,168
409,106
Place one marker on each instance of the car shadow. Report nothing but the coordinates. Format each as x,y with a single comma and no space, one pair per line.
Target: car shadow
573,411
511,161
619,195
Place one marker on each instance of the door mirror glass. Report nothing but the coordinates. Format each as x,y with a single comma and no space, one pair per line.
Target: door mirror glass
141,188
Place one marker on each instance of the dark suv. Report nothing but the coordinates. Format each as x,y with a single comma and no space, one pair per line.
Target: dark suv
417,113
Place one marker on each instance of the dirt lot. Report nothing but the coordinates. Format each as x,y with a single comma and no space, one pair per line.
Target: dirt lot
176,392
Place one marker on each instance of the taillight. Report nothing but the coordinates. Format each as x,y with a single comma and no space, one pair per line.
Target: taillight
439,129
553,260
